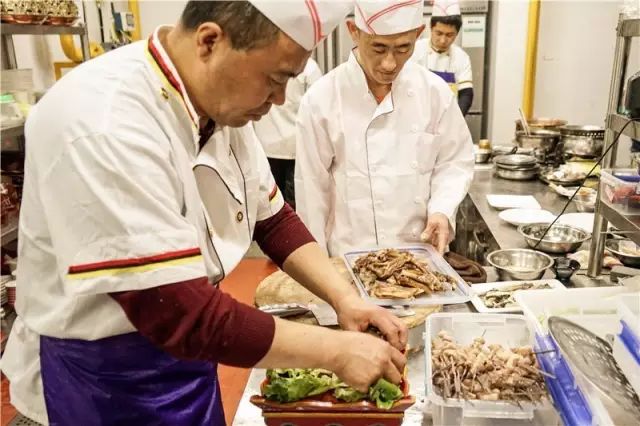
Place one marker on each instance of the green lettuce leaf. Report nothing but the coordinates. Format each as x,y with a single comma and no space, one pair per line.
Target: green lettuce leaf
349,394
294,384
384,394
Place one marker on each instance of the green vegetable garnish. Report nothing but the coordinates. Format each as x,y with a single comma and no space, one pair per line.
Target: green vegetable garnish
384,394
294,384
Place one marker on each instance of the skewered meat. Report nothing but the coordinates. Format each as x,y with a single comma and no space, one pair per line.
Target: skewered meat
485,372
397,274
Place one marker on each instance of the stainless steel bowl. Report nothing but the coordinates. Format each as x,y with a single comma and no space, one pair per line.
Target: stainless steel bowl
582,146
616,246
515,160
560,239
542,123
582,141
545,139
519,264
524,173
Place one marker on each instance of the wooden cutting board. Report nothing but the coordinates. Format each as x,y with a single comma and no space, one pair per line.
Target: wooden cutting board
281,288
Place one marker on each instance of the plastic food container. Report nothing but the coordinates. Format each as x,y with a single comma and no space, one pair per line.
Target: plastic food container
460,294
508,330
619,188
576,400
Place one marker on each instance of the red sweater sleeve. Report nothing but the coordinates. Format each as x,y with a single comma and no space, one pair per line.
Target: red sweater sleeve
195,320
281,234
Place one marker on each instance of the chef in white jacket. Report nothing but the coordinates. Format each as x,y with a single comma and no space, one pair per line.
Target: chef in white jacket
442,56
277,130
384,156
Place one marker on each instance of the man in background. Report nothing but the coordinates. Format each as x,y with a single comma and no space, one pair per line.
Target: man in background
277,131
441,55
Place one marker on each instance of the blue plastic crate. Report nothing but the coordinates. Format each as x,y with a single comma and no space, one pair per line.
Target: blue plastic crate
570,402
630,340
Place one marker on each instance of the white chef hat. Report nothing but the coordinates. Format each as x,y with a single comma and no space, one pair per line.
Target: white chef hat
385,17
446,7
305,21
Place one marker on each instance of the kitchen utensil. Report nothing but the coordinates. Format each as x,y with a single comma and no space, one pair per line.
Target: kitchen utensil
582,141
519,264
515,160
564,268
559,239
592,357
626,250
543,142
284,310
517,217
523,121
517,174
424,253
501,202
541,123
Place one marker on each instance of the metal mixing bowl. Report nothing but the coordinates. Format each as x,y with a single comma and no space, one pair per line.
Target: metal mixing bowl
627,259
560,239
519,264
520,173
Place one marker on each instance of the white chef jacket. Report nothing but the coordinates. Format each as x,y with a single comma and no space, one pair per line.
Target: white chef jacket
111,203
455,61
368,174
277,130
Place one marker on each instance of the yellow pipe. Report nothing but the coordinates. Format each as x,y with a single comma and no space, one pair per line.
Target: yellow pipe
530,59
135,10
74,53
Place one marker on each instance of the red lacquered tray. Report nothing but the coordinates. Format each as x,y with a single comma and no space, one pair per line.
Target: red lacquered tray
324,409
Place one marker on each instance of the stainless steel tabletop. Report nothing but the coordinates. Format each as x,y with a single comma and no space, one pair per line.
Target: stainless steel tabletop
506,235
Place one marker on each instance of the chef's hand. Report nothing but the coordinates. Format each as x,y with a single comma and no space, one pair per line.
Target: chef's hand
437,232
362,359
354,313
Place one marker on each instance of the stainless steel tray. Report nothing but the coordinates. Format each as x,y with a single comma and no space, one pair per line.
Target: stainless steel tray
427,254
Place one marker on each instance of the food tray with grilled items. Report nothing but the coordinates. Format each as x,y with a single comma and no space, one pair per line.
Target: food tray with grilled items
408,276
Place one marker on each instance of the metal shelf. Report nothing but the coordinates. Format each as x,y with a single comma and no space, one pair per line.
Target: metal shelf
630,225
616,122
629,28
12,131
31,29
9,233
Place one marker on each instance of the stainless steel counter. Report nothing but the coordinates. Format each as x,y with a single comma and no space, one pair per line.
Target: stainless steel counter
507,237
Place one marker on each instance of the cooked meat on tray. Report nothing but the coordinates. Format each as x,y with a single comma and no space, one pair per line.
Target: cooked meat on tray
397,274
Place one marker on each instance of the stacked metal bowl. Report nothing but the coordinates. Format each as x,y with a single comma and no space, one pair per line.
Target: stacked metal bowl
516,167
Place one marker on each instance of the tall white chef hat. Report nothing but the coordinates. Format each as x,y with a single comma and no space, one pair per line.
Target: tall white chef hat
307,22
446,7
384,17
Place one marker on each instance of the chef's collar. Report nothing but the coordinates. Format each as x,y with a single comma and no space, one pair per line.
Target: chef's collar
169,74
